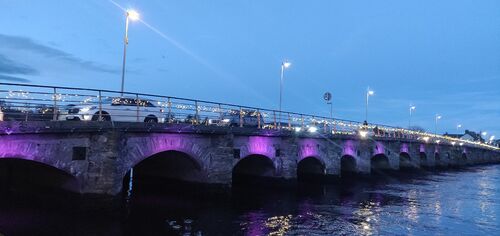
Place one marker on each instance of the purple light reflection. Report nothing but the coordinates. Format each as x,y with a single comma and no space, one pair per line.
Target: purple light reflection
379,148
422,148
349,148
404,148
261,146
309,148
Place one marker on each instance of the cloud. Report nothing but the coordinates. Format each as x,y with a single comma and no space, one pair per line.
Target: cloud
27,44
8,66
14,79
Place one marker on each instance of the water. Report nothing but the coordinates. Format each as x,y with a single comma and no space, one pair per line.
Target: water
459,202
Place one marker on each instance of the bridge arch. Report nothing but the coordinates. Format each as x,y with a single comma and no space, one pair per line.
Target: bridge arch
464,158
181,147
26,174
423,158
310,167
437,159
379,162
168,165
405,160
254,165
348,165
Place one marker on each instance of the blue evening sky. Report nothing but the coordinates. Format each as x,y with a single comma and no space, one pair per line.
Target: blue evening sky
442,56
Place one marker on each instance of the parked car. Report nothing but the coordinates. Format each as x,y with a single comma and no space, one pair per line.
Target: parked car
192,119
117,109
250,118
9,113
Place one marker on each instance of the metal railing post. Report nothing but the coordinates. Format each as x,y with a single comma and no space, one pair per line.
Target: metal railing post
54,110
137,105
169,107
196,113
100,106
241,117
258,119
334,124
274,118
289,121
221,115
302,121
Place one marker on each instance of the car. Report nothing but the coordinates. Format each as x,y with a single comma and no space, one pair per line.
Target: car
117,109
250,118
192,119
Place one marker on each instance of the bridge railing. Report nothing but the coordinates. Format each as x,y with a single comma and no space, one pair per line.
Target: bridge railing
22,102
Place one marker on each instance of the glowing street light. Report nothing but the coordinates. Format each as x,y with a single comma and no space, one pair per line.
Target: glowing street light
438,117
132,15
412,108
284,65
368,94
363,133
312,129
458,127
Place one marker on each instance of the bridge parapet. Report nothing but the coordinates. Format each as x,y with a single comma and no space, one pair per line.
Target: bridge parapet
22,102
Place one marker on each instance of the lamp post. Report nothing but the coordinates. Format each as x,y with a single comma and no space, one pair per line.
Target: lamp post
132,15
438,117
412,108
284,65
368,94
458,127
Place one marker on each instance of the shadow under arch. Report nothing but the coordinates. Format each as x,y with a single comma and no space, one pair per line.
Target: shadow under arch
463,158
405,161
379,163
163,169
423,158
252,168
437,159
310,168
348,166
18,174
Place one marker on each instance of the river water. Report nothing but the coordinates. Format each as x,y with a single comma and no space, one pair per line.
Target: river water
453,202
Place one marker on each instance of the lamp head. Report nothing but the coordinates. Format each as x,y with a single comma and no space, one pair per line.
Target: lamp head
132,14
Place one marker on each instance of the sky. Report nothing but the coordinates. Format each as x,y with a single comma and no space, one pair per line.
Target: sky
441,56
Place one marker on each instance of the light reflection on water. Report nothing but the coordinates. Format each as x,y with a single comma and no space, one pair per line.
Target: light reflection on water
463,202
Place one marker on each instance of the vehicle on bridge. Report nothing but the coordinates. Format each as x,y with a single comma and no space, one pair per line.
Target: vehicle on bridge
117,109
249,118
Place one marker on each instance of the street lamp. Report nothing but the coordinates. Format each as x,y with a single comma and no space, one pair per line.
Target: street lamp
438,117
458,127
412,108
284,65
368,94
132,15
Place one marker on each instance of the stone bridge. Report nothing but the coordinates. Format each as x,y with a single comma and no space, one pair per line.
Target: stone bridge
95,157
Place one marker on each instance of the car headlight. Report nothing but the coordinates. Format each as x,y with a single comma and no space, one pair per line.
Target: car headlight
87,109
226,120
